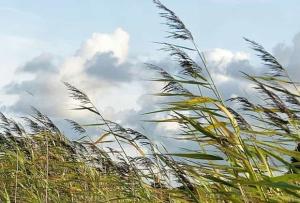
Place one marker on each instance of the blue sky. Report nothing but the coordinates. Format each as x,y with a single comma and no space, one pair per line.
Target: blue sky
216,23
101,46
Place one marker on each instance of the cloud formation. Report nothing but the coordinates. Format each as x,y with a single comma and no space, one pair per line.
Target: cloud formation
101,68
227,69
105,67
43,62
98,64
288,55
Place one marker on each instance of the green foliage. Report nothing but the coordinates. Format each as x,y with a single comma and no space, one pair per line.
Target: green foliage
244,155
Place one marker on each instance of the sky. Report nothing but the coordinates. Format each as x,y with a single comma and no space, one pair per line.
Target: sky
101,47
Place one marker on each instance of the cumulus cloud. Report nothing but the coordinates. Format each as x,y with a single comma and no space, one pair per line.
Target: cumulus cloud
43,62
288,55
101,68
227,63
44,92
105,67
98,64
117,43
227,69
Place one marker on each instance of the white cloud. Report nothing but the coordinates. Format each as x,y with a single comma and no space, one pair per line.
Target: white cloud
100,68
220,58
117,43
288,55
46,84
226,68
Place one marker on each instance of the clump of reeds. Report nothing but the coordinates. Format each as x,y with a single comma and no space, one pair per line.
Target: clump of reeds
245,155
